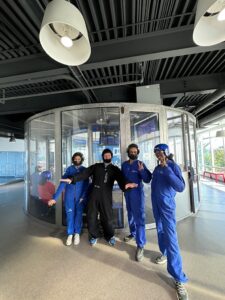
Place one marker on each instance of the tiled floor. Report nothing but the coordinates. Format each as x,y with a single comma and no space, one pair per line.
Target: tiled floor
36,264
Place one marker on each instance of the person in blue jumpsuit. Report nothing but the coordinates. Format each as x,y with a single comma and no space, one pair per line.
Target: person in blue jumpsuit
75,199
135,171
166,181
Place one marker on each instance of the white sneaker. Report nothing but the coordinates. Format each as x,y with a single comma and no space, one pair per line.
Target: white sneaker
76,239
160,260
69,240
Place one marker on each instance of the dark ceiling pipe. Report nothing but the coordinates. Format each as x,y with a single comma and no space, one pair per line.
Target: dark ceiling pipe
210,100
214,117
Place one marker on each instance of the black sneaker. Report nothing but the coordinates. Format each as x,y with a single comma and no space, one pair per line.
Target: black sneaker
181,291
129,238
139,254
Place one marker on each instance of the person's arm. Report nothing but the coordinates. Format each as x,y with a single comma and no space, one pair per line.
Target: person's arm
123,184
145,174
85,174
60,188
84,189
175,178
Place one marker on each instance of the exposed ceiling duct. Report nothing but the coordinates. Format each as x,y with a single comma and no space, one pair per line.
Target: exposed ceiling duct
210,100
214,117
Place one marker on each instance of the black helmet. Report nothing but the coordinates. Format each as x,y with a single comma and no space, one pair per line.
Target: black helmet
107,151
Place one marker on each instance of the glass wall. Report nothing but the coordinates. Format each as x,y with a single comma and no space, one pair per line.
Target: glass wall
90,131
92,128
144,128
176,137
41,145
211,150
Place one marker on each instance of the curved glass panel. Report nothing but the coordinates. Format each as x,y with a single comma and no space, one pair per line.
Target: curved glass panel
42,167
90,131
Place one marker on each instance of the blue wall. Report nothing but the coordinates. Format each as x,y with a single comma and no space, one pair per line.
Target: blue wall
12,164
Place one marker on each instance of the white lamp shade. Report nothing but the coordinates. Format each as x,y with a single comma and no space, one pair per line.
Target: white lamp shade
208,30
63,18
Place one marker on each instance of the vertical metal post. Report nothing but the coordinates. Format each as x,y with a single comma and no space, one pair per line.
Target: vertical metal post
58,162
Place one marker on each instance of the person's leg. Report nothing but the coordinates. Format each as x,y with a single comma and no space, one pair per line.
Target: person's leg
92,216
130,217
69,208
78,221
159,228
138,209
174,261
106,215
78,217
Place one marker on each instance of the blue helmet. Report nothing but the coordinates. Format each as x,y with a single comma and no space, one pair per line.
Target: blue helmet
46,175
162,147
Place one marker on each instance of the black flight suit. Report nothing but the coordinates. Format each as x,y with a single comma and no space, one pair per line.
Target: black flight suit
100,199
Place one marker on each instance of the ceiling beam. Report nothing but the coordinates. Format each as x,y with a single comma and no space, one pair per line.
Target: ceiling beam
24,65
154,46
191,84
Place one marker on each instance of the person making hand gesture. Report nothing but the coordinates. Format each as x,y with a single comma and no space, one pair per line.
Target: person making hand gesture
136,171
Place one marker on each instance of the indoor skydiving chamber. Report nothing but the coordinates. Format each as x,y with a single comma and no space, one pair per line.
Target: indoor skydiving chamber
53,136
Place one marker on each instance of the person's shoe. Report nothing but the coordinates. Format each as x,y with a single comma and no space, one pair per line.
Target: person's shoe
69,240
93,241
160,260
139,254
181,291
76,239
112,241
129,238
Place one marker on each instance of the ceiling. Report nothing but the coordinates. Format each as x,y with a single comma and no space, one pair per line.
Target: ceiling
134,43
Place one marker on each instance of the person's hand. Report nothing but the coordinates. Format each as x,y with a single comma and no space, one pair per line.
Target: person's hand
81,199
140,166
131,186
67,180
51,202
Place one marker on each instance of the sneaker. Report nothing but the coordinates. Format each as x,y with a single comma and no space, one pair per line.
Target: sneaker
93,241
129,238
139,254
160,260
76,239
112,241
69,240
181,291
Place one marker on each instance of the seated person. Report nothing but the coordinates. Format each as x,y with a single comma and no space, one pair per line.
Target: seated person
46,188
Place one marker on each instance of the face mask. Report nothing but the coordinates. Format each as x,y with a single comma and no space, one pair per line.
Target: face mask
107,161
132,156
77,163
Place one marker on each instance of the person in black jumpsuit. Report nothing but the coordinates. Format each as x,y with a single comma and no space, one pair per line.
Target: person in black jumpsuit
100,198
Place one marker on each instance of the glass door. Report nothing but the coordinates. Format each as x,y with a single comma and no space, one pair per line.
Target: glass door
143,130
90,131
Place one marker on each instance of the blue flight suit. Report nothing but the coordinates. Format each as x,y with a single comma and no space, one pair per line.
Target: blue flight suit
135,200
73,193
166,181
